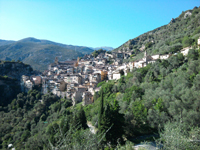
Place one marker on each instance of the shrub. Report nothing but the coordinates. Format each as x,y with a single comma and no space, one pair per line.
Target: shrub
187,41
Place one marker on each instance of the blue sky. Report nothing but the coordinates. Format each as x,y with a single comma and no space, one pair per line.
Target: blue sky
91,23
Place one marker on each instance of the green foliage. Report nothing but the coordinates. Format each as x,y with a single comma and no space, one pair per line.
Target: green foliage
132,55
140,103
197,31
128,96
148,45
175,48
25,116
143,71
187,41
5,76
97,52
158,104
193,54
107,88
112,123
177,136
101,83
75,139
79,118
101,110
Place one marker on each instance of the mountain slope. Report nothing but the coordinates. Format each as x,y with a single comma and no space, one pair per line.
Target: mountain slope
40,53
82,49
5,42
37,55
168,38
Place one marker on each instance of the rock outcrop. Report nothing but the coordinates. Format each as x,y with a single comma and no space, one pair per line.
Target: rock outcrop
14,69
10,76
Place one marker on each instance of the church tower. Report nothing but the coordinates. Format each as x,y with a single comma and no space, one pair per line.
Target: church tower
145,57
56,60
76,63
78,60
145,54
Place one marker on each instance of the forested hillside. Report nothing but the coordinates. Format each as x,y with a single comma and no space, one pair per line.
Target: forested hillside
181,32
149,97
138,104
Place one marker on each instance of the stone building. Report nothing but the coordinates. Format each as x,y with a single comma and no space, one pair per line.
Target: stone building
87,98
77,95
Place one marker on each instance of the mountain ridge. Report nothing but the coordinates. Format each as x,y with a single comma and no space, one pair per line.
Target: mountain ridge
39,53
168,38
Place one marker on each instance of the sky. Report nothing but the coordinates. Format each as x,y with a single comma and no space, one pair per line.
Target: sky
91,23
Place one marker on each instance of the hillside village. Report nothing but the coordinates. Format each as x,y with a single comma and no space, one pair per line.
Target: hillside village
78,79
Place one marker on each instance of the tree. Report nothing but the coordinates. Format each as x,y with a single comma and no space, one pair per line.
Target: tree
117,120
82,118
175,48
95,54
79,119
176,136
193,54
101,110
180,58
187,41
121,72
106,124
111,124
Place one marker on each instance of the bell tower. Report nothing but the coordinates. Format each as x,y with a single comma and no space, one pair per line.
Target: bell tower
145,54
56,60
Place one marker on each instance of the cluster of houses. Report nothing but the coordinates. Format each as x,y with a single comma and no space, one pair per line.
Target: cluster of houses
77,79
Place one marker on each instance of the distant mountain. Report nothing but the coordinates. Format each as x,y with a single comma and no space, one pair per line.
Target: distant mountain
82,49
5,42
180,32
104,48
40,53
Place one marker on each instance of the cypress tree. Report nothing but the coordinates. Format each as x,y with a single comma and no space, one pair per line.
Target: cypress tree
82,118
79,119
101,110
112,123
117,122
107,124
